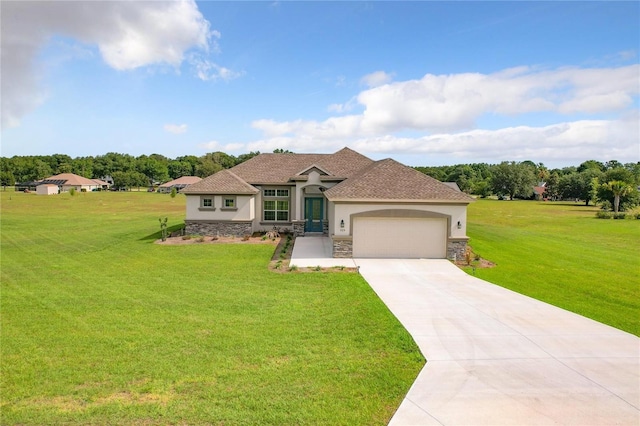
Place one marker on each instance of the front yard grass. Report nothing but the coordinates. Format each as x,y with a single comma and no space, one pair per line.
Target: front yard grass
101,326
562,254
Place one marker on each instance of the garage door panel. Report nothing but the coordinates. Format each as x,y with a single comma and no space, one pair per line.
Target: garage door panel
377,237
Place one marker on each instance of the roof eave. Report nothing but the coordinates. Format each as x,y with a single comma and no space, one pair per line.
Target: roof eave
398,200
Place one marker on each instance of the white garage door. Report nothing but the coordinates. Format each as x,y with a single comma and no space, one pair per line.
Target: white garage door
393,237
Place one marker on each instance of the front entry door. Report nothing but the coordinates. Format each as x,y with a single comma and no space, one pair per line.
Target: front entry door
313,208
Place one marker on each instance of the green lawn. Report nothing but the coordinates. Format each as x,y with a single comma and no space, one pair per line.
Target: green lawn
560,253
102,326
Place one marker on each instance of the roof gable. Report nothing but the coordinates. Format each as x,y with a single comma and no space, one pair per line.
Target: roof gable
389,180
312,168
223,182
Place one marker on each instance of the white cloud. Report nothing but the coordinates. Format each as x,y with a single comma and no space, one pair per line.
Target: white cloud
453,103
176,129
564,143
206,70
376,79
128,34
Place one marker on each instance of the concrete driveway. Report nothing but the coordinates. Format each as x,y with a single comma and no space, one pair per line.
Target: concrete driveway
496,357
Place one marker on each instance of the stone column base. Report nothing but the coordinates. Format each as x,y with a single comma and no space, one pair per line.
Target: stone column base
456,248
342,246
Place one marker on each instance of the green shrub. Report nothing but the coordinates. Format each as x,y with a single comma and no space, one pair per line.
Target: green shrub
619,215
174,192
602,214
637,215
72,191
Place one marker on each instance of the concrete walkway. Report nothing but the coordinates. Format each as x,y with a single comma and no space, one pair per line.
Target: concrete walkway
309,252
495,357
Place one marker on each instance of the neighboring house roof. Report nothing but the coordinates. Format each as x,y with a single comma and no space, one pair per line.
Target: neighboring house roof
389,180
100,182
223,182
68,179
539,190
184,180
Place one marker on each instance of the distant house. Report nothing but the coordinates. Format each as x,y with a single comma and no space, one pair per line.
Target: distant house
367,208
47,189
538,192
66,181
103,184
179,184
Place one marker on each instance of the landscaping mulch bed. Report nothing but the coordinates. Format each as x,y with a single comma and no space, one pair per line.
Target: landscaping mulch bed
217,240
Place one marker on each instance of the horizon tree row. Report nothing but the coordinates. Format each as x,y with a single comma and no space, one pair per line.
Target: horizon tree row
589,182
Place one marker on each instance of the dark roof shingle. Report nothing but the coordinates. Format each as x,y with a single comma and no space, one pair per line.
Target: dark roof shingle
389,180
223,182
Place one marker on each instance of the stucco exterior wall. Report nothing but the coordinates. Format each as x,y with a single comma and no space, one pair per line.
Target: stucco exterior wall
245,210
344,211
46,189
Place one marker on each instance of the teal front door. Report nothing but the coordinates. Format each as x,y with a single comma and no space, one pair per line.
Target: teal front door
313,208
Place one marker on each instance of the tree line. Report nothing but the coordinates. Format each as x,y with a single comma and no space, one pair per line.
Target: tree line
126,170
611,184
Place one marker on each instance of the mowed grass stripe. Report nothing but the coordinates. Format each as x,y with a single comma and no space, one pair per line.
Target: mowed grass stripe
101,326
561,254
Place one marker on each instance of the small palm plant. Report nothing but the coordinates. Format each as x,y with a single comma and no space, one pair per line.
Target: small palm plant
619,189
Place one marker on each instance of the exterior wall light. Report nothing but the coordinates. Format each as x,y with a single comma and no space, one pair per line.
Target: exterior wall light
459,225
342,224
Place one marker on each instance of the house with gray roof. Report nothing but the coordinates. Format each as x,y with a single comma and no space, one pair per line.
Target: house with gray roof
179,184
376,209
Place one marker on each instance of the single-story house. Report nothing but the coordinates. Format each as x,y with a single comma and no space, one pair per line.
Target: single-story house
47,189
66,181
102,184
368,208
179,184
538,192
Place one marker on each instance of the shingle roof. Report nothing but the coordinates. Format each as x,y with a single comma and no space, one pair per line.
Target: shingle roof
389,180
71,179
280,168
223,182
184,180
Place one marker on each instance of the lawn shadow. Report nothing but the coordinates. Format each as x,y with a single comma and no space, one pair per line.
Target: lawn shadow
158,235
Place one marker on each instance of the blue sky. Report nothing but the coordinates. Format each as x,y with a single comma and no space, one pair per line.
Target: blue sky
427,83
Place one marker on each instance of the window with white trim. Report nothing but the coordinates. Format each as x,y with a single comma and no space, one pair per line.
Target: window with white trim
276,210
229,203
206,203
276,193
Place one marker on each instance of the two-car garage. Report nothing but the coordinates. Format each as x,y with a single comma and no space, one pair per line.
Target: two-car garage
400,237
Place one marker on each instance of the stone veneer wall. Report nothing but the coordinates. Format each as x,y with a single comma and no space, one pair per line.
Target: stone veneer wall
298,228
342,247
237,229
456,249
